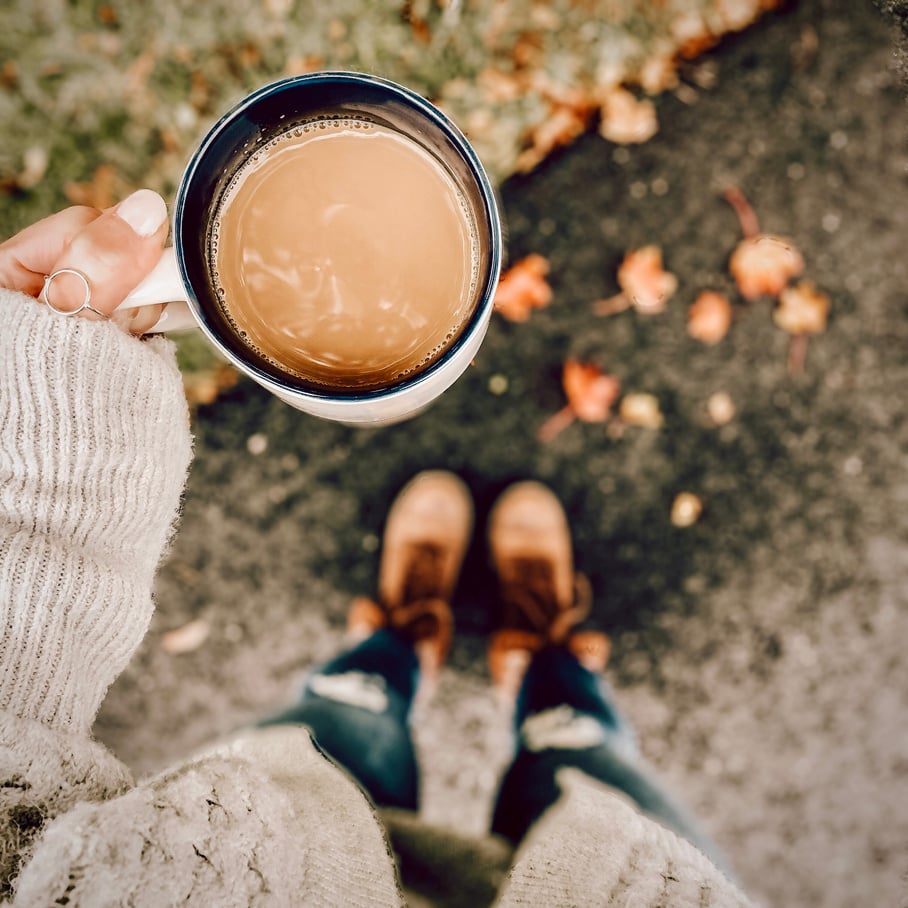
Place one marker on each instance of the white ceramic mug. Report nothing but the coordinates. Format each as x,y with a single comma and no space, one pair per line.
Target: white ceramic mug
182,277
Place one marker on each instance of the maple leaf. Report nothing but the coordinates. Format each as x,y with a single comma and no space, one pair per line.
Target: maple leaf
709,318
762,264
644,284
523,287
626,119
590,393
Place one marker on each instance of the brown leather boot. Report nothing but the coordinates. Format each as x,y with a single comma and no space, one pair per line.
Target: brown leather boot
543,599
426,536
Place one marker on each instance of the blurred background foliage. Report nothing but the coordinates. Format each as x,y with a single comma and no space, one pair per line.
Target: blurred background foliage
100,98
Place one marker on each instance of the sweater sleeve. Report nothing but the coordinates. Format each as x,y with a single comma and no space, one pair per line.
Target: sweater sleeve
265,820
94,448
594,847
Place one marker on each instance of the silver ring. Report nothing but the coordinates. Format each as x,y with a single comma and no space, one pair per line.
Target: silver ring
44,296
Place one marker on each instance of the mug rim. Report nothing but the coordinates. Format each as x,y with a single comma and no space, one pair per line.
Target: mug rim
478,318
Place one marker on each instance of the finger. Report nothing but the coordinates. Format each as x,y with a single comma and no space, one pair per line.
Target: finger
140,320
30,255
114,252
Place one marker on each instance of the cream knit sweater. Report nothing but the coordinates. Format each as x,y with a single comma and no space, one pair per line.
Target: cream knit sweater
94,448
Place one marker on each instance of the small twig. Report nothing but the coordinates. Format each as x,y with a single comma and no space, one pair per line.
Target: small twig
556,424
797,353
747,217
613,305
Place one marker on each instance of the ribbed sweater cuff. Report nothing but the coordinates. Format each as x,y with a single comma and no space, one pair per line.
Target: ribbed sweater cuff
94,448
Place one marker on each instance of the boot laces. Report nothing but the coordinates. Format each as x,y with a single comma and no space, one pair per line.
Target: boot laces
531,601
423,612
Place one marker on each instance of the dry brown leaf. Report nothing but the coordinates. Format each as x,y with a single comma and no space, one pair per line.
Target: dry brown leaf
204,387
418,24
564,123
187,638
640,409
644,284
99,192
644,281
300,65
802,309
692,34
658,74
626,119
686,509
34,167
279,9
498,86
763,265
590,392
107,13
9,75
138,96
709,318
721,408
522,288
738,14
199,91
804,50
527,51
257,443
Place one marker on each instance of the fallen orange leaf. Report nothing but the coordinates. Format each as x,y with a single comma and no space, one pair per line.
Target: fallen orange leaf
500,87
640,409
709,318
205,386
99,192
522,288
564,123
762,264
626,119
686,509
802,309
644,284
187,638
590,393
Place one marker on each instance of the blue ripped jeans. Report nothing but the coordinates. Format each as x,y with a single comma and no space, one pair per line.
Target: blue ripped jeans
358,706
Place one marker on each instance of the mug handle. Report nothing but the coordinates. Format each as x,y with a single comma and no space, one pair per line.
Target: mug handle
163,285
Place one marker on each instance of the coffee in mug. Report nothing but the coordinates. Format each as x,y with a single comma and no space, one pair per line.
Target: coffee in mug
337,240
345,254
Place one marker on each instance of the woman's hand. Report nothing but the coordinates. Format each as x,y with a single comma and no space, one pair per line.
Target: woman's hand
115,249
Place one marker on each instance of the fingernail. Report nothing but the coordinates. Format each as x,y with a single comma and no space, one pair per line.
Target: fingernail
144,211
